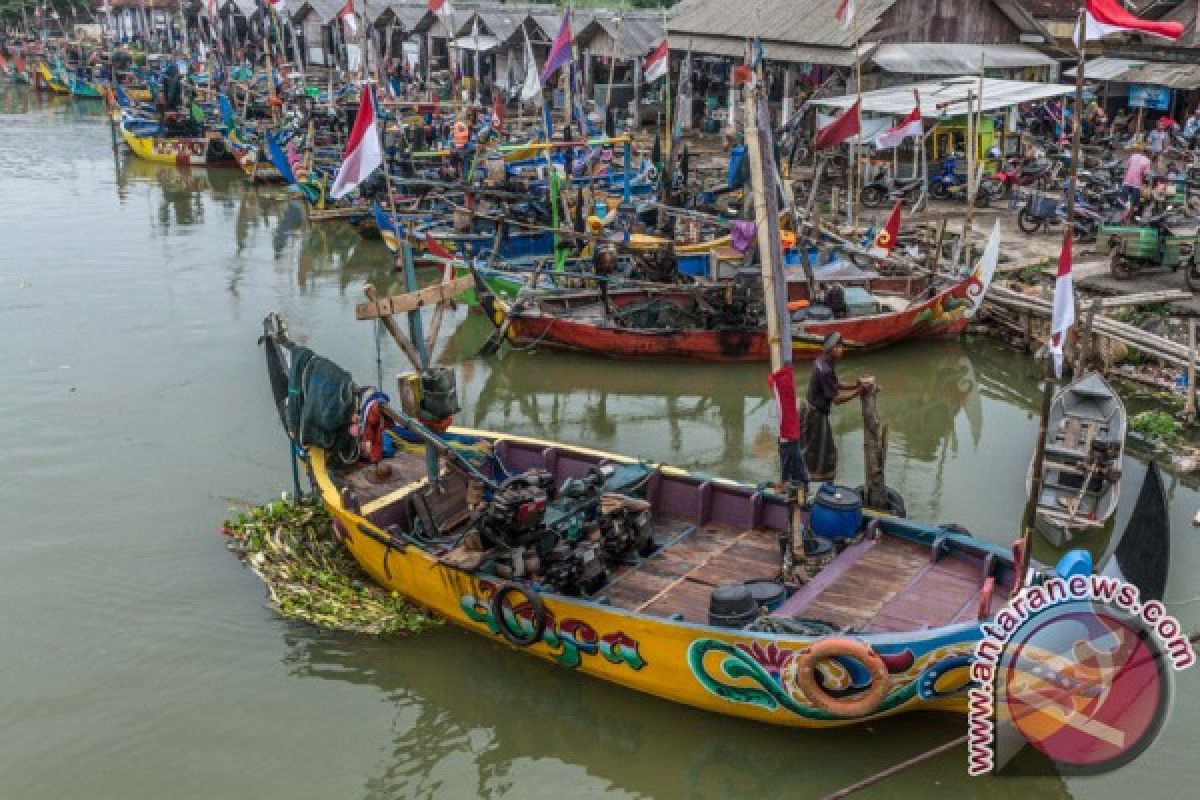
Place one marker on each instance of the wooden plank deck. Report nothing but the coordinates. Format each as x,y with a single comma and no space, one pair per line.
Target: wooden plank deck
869,584
680,578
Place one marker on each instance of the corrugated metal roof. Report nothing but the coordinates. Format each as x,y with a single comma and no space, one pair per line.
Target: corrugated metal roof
405,15
791,22
635,36
1174,76
772,50
324,10
929,58
503,23
948,96
1129,70
1105,68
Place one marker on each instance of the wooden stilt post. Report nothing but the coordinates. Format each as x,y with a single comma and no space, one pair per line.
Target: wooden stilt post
874,453
1084,350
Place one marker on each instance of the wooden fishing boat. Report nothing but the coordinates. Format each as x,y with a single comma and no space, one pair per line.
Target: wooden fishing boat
82,88
710,324
1081,469
252,161
182,151
52,81
627,573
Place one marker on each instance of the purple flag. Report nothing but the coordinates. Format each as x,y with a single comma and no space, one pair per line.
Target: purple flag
560,51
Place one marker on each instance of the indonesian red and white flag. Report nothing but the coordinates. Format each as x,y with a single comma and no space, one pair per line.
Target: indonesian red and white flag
909,126
845,13
885,240
363,154
1102,18
278,5
348,18
441,7
1064,305
842,127
655,65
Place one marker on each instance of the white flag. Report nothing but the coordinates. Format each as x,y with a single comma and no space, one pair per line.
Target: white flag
533,83
1064,305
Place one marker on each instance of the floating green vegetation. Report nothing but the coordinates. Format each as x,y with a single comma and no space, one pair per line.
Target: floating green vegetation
311,576
1139,316
1158,426
1032,273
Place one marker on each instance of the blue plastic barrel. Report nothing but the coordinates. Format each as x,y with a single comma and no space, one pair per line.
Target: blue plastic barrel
694,264
836,512
735,159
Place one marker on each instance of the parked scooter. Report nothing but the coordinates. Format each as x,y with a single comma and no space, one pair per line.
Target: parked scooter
1042,212
883,192
949,184
1014,175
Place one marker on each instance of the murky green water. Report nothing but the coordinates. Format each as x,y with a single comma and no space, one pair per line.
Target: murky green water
136,657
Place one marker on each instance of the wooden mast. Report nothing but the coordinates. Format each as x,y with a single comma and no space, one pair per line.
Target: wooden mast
1035,476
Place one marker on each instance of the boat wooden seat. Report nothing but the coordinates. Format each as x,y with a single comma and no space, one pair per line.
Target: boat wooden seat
823,579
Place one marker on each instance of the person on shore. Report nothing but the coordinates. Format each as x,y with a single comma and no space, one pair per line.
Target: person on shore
824,392
1191,128
1136,170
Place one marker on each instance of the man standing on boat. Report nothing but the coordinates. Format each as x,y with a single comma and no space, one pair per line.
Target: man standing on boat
824,392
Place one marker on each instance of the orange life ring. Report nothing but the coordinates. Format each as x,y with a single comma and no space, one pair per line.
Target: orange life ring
985,597
861,704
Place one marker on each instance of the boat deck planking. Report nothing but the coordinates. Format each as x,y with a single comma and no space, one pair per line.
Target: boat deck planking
875,586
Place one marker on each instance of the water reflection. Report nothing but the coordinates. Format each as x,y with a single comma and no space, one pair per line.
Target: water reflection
712,417
503,723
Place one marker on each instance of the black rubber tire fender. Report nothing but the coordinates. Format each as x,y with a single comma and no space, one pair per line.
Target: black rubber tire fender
496,606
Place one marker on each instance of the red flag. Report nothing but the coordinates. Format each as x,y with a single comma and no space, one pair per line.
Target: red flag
909,126
844,126
783,386
655,65
885,240
845,13
363,153
1105,17
1064,304
435,248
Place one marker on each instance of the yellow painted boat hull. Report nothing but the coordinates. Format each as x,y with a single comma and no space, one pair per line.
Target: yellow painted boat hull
179,151
727,671
55,85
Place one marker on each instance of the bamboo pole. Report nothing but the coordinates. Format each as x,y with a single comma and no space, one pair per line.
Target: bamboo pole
1191,372
767,233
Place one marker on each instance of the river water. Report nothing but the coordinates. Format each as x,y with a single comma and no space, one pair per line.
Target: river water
137,659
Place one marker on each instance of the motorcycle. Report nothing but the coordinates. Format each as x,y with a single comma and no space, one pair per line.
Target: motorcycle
881,192
949,184
1041,212
1014,174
